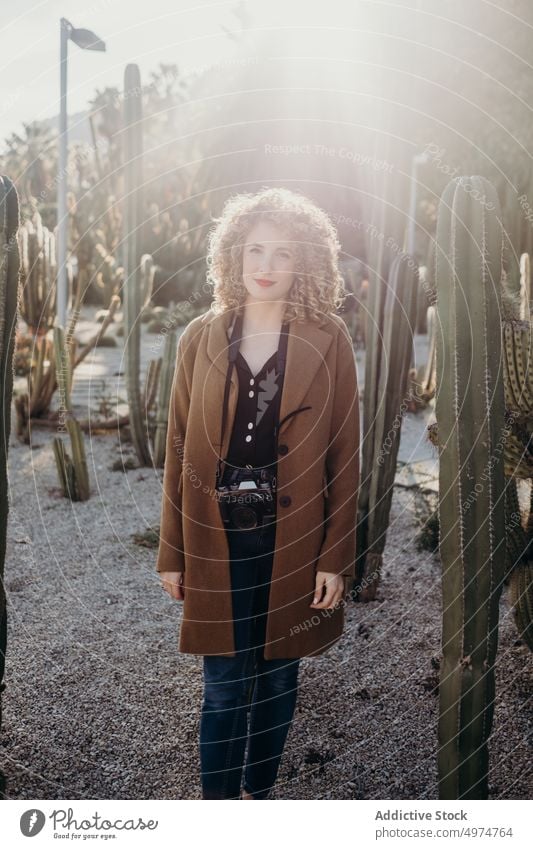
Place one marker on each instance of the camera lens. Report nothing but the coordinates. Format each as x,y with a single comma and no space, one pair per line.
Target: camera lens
244,518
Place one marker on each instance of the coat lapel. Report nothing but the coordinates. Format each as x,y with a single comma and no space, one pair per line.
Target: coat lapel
307,345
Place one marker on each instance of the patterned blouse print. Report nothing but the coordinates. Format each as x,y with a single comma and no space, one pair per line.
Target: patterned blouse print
252,439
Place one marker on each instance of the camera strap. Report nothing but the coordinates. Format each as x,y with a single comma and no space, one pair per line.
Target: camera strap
281,358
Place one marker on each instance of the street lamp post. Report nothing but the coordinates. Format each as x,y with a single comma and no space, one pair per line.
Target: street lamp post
87,40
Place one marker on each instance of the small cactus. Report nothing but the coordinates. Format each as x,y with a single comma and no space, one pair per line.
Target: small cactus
73,473
38,275
163,398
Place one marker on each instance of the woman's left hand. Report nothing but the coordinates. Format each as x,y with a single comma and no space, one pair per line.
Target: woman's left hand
334,586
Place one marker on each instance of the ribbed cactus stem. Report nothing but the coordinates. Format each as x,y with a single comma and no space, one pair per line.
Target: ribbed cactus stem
133,295
73,472
516,537
385,238
398,327
470,415
163,397
63,369
9,292
79,460
38,275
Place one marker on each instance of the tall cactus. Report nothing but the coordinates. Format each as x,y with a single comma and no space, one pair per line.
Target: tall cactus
9,291
387,199
470,416
133,294
384,407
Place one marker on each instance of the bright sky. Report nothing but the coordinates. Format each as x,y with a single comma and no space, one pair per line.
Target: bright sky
189,33
186,32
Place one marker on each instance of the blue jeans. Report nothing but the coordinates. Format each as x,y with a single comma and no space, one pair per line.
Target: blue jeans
246,684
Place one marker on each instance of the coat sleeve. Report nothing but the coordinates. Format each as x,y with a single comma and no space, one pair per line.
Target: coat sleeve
337,553
170,556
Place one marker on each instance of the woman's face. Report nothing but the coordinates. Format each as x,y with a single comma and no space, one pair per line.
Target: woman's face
268,263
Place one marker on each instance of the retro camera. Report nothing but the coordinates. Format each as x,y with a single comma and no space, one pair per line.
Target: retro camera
248,499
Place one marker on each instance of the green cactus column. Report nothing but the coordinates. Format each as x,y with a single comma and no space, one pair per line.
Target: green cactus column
388,406
133,294
9,291
163,398
470,417
389,327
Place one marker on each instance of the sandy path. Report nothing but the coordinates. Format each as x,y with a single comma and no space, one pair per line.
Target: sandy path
99,704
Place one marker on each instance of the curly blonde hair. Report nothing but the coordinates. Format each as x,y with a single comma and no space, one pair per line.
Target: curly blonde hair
318,287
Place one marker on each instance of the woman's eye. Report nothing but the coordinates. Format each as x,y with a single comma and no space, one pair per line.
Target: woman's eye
254,250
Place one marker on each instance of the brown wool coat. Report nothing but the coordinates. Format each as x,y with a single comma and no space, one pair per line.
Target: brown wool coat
317,479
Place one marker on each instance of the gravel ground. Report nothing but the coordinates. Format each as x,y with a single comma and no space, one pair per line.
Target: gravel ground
99,703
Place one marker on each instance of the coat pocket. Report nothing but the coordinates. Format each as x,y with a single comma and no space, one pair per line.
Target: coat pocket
325,486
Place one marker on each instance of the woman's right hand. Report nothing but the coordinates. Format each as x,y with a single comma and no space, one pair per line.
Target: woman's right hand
172,584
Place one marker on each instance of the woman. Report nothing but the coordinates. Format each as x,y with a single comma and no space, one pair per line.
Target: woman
261,479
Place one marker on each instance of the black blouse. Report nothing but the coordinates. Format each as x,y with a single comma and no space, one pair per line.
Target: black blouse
252,438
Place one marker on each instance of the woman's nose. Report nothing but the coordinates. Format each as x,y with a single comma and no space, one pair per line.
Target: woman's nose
266,265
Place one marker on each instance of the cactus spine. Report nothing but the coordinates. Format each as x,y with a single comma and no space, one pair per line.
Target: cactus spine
470,416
